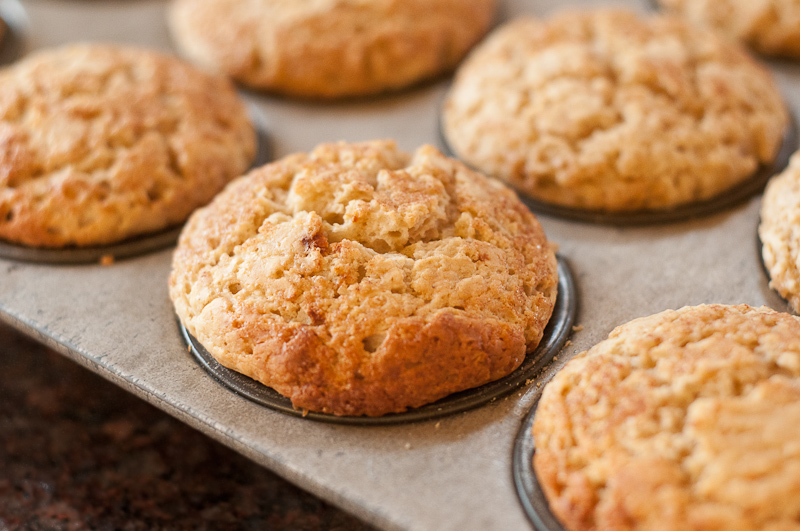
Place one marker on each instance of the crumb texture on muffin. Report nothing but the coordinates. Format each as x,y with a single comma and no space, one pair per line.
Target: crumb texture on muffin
605,110
360,280
770,26
685,420
99,143
778,231
329,48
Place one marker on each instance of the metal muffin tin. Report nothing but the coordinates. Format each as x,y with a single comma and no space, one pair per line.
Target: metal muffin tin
450,473
555,334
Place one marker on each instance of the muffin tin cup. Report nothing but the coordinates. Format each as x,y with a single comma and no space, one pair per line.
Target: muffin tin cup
130,247
720,203
526,482
555,336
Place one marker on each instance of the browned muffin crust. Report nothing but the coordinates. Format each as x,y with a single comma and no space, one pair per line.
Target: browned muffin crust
329,48
361,280
99,143
685,420
605,110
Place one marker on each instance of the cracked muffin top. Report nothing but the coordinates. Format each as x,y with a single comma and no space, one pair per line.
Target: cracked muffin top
604,110
361,280
685,420
100,143
770,26
329,48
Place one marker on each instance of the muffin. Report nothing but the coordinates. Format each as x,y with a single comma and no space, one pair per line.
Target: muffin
770,26
684,420
359,279
100,143
329,48
778,231
605,111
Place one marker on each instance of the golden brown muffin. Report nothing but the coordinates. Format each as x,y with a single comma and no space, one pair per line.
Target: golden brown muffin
770,26
779,232
329,48
361,280
99,143
686,420
604,110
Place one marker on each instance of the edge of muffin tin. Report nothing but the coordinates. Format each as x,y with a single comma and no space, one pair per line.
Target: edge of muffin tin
526,483
138,245
724,201
555,336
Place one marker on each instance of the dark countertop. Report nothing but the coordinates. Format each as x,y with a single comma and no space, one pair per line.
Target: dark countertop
77,452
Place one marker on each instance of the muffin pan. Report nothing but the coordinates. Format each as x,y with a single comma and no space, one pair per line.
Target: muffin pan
447,473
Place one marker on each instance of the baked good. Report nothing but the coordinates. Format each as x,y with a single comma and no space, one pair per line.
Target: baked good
329,48
99,143
685,420
778,230
770,26
361,280
603,110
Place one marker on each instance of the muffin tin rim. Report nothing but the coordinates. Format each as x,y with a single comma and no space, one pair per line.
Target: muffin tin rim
526,482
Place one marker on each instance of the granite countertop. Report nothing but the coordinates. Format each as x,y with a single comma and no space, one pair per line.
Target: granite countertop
77,452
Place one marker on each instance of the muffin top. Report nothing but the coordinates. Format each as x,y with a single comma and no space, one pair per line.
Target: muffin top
361,280
770,26
100,143
329,48
604,110
780,220
684,420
